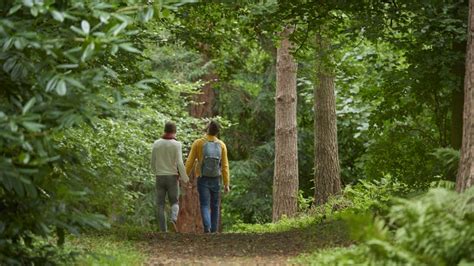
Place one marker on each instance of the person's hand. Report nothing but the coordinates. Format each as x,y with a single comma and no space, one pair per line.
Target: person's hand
227,189
184,179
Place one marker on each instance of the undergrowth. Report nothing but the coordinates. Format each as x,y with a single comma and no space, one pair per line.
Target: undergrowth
101,249
436,228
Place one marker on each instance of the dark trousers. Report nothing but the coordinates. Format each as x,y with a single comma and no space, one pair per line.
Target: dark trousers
166,185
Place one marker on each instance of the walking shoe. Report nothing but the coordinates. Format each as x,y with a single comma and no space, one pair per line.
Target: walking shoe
175,226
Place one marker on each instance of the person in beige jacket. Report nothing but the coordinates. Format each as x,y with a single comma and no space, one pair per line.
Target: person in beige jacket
167,165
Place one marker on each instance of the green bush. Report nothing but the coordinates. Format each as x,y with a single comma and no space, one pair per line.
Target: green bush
66,66
366,197
436,228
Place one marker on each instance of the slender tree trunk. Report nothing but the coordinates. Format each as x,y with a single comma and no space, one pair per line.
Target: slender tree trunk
465,178
327,180
285,180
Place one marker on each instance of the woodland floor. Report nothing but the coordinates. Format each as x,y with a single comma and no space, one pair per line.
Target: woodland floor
241,248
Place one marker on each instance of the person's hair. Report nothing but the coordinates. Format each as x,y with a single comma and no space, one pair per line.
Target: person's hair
213,128
170,127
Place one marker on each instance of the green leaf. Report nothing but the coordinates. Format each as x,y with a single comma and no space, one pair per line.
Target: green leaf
104,18
28,3
129,48
31,190
24,158
28,105
18,187
13,126
13,10
148,14
33,126
74,83
10,64
118,28
88,52
52,83
59,16
7,44
78,31
67,66
61,88
114,49
34,11
85,27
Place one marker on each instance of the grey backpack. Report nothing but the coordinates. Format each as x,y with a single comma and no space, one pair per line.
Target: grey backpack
211,163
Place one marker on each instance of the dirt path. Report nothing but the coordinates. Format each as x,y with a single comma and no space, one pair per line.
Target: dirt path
240,249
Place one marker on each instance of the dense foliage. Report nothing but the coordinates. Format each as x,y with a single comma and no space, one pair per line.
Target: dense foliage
433,229
66,68
87,85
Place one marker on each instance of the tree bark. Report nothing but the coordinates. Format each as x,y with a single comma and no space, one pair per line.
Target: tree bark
465,178
285,180
327,180
189,218
203,105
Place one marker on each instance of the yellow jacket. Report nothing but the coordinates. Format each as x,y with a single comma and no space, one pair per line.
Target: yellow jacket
196,153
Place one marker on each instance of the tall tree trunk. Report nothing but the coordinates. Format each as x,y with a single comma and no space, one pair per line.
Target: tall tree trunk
327,180
203,105
285,180
189,219
465,178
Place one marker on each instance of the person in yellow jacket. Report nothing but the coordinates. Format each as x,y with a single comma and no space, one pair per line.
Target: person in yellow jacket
213,165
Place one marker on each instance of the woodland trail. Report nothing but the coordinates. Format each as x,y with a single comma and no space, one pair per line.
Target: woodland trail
241,248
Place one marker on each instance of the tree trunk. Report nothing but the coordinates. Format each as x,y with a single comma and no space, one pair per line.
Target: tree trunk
203,105
285,180
189,219
465,178
327,180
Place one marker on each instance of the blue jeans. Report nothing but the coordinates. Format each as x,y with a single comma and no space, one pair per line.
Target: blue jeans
209,190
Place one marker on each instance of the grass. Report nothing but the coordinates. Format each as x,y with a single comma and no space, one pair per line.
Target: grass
99,249
285,224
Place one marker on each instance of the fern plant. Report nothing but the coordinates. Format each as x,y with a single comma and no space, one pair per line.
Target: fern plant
436,228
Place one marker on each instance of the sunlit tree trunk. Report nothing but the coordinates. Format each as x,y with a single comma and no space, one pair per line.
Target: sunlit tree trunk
285,181
327,180
465,177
